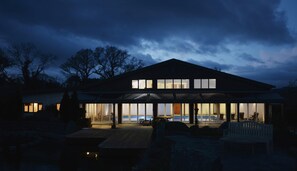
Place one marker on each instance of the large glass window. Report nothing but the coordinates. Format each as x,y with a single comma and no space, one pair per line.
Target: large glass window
211,111
174,111
251,111
233,110
134,112
149,111
125,112
164,109
100,112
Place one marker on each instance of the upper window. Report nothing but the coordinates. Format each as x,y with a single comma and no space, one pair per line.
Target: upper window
142,84
135,84
197,83
204,83
177,83
185,83
173,83
169,83
161,84
212,83
32,107
149,83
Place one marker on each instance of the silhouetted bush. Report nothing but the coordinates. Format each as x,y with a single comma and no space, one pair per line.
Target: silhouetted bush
173,128
11,106
65,107
205,131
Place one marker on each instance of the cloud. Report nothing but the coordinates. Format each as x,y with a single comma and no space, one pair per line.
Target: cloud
156,30
208,23
147,59
250,58
278,75
211,64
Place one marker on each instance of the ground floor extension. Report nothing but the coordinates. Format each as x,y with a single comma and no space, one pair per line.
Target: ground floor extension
184,112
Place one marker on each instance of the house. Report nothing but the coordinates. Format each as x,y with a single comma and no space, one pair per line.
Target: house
175,89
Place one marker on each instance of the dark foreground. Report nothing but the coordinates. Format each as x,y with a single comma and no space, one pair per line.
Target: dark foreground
51,152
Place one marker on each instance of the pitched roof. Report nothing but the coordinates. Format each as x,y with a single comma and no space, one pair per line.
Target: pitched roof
174,68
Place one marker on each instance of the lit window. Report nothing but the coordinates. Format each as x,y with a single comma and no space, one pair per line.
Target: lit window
35,107
149,83
39,107
160,84
58,106
26,108
197,83
141,84
177,83
32,107
135,84
212,83
204,83
185,83
169,84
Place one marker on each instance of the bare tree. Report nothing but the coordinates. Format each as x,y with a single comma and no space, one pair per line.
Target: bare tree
5,63
81,64
112,61
29,61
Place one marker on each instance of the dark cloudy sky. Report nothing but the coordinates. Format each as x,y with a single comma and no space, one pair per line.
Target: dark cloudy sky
251,38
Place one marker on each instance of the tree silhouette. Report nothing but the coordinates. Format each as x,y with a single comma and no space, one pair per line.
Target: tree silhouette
5,63
112,61
81,65
30,61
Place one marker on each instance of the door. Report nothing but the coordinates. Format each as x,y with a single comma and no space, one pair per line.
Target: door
177,112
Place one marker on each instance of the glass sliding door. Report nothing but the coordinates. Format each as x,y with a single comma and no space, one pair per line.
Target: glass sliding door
211,112
174,111
252,111
99,112
185,112
136,112
233,109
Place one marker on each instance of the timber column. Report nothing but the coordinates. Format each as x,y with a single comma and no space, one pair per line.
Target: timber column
119,113
191,106
155,109
228,112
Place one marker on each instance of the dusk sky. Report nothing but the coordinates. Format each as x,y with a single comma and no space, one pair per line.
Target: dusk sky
255,39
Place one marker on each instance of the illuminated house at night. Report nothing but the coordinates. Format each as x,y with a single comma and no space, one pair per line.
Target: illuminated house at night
172,89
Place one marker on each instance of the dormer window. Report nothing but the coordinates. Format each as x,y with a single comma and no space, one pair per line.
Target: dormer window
142,84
